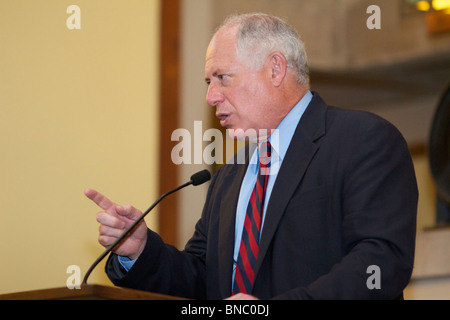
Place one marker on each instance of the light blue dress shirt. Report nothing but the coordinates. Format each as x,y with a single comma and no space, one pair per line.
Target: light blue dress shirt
279,140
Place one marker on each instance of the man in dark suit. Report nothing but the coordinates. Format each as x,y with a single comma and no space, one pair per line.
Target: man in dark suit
339,209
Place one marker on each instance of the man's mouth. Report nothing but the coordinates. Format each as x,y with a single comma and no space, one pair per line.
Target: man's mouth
223,117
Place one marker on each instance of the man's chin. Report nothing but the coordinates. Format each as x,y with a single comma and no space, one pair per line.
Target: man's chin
249,135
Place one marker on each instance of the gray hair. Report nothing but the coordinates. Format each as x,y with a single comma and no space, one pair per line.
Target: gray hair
260,34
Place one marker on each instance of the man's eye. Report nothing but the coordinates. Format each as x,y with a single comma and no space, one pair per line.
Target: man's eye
222,77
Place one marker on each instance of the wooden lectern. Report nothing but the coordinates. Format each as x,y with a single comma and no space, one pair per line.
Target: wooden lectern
87,292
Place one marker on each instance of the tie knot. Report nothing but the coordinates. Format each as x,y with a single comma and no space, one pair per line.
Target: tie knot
265,152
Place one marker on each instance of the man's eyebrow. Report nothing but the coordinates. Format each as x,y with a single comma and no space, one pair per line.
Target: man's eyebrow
215,74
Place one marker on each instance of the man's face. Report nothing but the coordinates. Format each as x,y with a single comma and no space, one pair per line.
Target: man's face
240,94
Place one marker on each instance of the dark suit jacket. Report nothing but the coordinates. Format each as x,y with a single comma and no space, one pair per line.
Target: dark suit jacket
345,199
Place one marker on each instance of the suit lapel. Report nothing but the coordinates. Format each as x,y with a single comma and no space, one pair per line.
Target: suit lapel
227,223
301,151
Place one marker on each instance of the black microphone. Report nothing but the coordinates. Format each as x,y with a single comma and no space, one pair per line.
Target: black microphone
200,177
196,179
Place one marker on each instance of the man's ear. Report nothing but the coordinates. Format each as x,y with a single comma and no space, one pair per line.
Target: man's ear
278,64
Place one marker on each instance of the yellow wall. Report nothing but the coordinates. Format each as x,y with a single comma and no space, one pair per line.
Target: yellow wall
78,109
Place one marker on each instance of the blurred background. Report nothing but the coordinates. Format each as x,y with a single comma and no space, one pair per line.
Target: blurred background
90,98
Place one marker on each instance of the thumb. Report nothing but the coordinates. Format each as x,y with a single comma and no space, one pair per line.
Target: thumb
128,211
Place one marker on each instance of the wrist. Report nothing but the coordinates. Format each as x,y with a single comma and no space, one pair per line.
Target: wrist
139,252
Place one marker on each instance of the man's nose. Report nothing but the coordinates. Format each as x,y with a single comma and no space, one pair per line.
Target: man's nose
214,96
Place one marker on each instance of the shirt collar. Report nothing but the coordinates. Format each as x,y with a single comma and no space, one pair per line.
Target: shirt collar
282,136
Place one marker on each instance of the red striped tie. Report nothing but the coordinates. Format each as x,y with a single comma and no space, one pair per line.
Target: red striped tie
248,250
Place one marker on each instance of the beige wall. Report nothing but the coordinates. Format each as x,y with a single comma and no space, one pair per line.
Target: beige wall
196,26
78,109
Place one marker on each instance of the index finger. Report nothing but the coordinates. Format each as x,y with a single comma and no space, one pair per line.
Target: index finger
102,201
